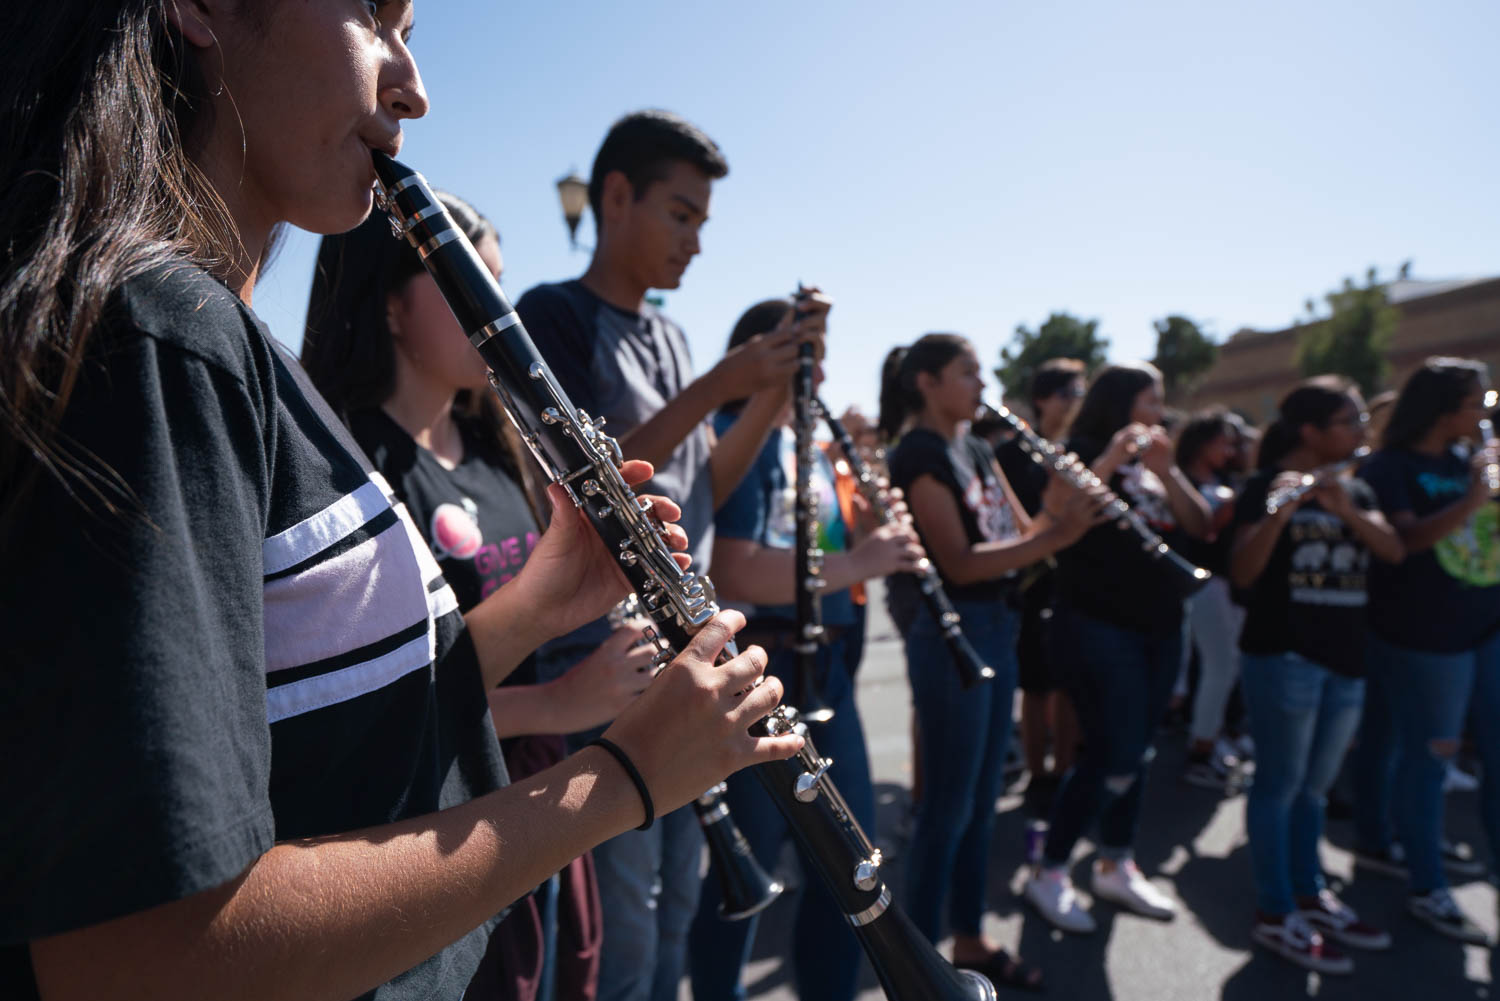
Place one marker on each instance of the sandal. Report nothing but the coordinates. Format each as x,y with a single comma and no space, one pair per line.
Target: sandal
1003,970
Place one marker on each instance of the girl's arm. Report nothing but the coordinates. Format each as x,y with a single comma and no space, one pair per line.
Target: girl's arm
746,571
570,579
936,511
1421,534
334,917
1253,545
592,692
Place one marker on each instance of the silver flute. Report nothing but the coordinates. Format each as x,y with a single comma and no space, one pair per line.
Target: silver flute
574,451
1312,479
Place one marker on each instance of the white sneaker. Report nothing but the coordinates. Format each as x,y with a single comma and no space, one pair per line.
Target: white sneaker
1455,779
1296,941
1051,893
1127,886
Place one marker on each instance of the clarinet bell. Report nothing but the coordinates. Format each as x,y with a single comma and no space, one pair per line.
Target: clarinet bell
972,670
810,705
745,888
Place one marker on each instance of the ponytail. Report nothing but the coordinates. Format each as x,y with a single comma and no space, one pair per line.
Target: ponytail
900,399
1312,401
894,405
1278,439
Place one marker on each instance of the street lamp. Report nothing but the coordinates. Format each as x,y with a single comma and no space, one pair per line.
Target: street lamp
573,192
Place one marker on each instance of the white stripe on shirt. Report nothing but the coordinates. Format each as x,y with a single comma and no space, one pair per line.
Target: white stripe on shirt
312,535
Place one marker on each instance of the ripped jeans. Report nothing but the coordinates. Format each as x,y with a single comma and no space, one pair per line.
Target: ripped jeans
1430,695
1120,681
1302,717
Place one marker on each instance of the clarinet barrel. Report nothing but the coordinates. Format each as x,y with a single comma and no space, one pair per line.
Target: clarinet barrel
745,887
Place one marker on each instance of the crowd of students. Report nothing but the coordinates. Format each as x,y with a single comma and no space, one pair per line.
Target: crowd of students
314,691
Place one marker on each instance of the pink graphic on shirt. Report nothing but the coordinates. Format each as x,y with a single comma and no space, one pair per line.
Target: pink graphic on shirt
455,533
499,562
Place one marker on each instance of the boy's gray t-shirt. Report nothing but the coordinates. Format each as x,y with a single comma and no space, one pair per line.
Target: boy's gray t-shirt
623,366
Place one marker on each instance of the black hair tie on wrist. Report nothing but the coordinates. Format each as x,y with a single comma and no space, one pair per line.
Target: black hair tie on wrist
635,776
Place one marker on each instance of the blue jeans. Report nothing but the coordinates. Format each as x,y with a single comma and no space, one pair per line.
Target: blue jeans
1120,681
1302,717
648,883
1430,695
825,954
964,734
1374,765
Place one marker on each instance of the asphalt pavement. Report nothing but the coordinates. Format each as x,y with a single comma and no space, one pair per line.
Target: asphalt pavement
1193,844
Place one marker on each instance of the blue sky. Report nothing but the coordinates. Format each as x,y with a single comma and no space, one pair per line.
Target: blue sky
974,166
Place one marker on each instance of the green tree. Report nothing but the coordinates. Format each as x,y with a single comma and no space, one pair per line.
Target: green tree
1183,351
1061,336
1354,339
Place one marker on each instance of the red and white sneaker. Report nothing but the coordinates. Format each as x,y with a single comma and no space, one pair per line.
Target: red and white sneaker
1337,920
1294,940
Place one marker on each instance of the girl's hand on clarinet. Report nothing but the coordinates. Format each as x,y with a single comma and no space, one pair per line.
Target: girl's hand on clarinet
689,729
599,687
1158,455
572,576
891,548
1074,509
1124,445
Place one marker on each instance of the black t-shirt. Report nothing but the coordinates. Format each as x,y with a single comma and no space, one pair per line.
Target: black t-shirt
1311,598
1024,474
251,645
474,517
1105,574
967,468
1445,599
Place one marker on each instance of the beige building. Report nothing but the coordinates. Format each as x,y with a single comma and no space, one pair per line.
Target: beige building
1254,368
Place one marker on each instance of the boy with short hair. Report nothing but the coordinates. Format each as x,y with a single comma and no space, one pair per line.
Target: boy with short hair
617,356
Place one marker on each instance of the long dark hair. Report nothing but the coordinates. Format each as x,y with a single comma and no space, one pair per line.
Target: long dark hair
1111,396
900,398
1313,401
347,347
758,319
1431,392
102,102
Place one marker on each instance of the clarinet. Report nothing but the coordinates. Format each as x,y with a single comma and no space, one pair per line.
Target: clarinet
971,667
745,887
571,447
1187,578
808,573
